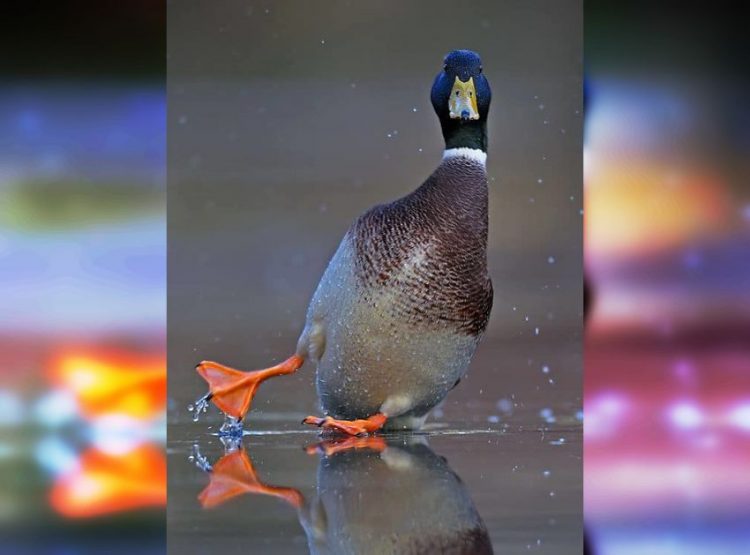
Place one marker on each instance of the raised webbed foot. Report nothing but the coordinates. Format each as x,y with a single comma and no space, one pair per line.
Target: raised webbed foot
233,390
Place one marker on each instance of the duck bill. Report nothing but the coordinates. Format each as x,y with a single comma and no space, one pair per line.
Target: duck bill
463,100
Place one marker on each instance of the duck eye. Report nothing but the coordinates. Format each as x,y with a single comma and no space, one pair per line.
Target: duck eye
445,67
458,93
471,93
480,69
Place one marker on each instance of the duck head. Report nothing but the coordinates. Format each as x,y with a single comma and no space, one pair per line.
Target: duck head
461,98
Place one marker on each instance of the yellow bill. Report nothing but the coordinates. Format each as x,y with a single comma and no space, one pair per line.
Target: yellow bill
463,101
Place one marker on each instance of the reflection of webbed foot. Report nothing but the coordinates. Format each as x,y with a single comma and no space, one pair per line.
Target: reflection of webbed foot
350,427
332,446
235,475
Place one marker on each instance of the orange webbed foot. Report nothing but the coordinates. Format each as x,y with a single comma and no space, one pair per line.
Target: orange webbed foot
350,427
232,390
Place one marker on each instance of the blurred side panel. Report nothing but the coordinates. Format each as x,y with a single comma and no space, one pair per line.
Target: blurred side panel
667,238
82,278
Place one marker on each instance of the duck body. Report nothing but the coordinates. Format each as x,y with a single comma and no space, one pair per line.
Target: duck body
405,299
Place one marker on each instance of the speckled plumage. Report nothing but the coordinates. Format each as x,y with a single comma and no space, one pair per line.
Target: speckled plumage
431,247
404,301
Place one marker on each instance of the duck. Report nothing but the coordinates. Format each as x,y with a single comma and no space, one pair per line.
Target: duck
372,495
403,303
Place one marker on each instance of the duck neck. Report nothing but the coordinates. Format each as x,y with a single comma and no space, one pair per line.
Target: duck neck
464,134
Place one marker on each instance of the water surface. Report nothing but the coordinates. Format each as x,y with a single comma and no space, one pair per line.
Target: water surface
515,487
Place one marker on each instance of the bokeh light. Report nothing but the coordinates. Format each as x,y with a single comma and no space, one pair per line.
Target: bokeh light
82,272
667,352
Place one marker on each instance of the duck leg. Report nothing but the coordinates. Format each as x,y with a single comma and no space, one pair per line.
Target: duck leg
233,390
351,427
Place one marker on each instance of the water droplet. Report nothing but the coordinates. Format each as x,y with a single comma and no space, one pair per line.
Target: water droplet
201,406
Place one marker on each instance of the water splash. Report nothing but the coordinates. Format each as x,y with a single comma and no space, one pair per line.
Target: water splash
231,443
200,407
232,427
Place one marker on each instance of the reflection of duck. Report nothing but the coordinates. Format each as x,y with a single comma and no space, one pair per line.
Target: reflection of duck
403,303
372,496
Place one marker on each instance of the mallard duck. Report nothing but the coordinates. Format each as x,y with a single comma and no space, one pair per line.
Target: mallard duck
405,299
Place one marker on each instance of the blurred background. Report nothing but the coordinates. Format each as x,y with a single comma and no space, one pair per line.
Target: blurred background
82,273
667,253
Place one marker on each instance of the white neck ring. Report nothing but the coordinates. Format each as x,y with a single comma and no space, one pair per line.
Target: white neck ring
474,154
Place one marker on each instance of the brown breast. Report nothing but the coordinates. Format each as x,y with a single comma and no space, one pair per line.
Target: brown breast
429,249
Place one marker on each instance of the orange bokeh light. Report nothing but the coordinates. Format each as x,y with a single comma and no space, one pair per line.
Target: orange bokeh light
104,483
641,208
114,381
